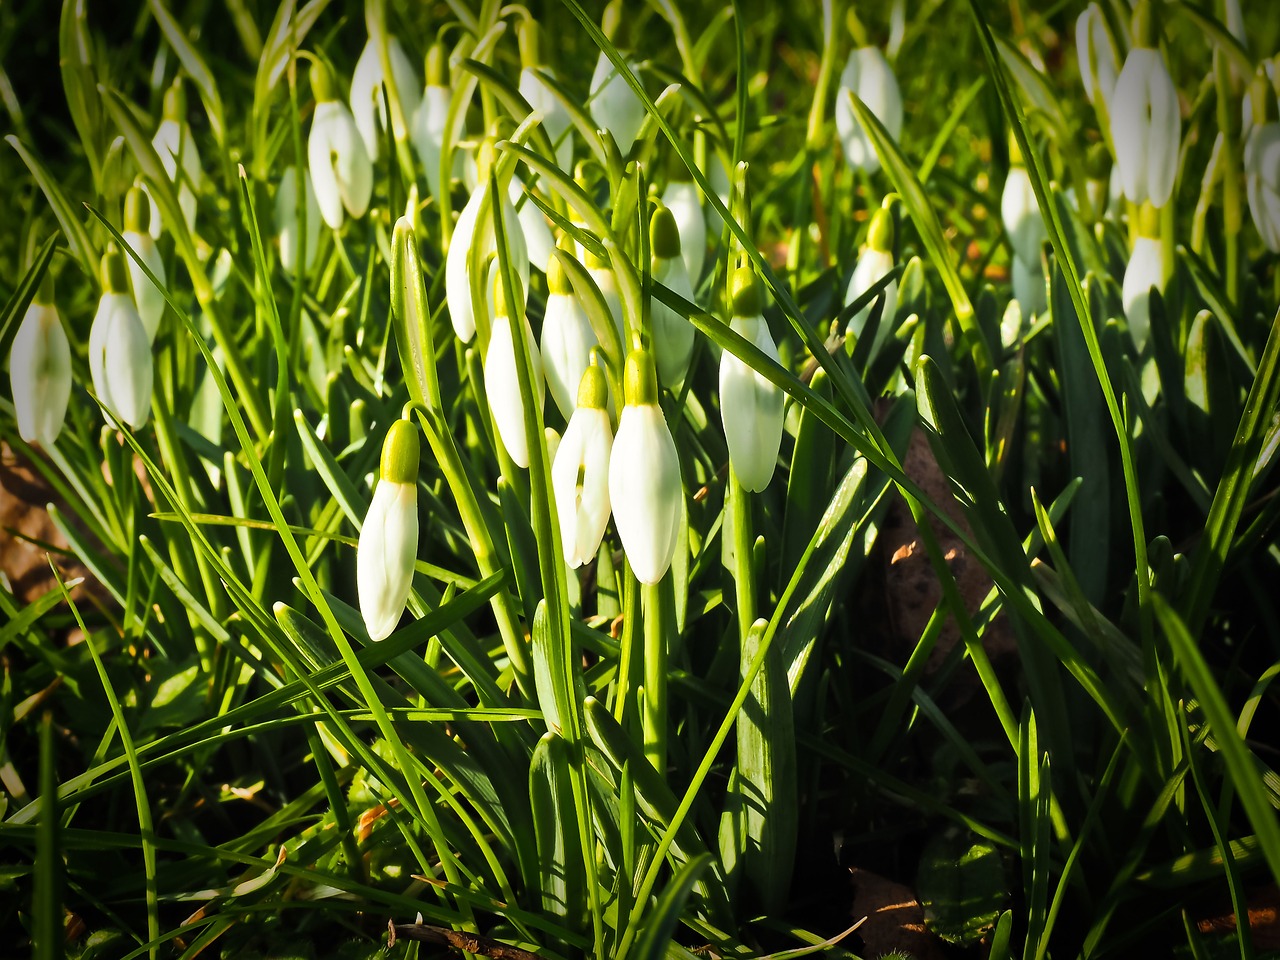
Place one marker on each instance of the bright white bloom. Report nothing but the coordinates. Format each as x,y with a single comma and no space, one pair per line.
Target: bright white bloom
175,148
672,334
1028,286
1145,270
567,339
644,475
341,171
603,275
614,105
1146,127
1021,215
555,118
751,406
468,235
867,74
40,371
1096,50
287,220
1262,181
427,129
876,260
580,472
682,199
146,295
119,351
388,544
367,107
533,224
501,384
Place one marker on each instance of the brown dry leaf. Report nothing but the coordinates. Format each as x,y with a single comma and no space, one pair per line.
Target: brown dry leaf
895,919
1264,920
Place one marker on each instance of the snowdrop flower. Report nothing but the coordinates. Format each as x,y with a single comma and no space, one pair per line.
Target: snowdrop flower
367,106
175,147
430,118
672,333
501,384
119,352
580,471
605,279
555,118
1146,125
388,544
751,406
644,475
867,74
1021,214
1262,181
681,198
533,224
1096,50
1145,270
614,106
476,239
876,260
341,171
287,220
1028,286
146,295
567,338
40,370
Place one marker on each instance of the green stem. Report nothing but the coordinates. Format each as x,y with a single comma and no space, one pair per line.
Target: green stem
659,622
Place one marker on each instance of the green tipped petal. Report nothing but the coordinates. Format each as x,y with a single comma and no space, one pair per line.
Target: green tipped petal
664,234
640,381
400,453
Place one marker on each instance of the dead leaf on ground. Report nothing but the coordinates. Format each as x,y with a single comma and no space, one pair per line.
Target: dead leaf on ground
895,919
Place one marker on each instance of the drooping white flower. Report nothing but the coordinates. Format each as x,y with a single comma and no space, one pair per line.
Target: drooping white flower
341,171
470,235
1096,51
867,73
427,131
875,261
40,370
1146,127
1021,215
602,273
1262,181
1028,286
287,220
555,118
644,475
580,471
119,351
176,149
751,406
148,298
367,106
673,334
567,339
501,383
682,199
614,105
388,546
533,224
1145,270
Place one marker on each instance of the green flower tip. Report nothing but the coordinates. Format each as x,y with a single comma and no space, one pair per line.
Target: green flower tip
1015,152
1143,25
486,156
114,277
557,279
321,82
137,210
594,261
664,235
437,65
1148,220
175,101
640,380
501,307
527,37
593,389
400,453
880,236
744,293
403,233
612,17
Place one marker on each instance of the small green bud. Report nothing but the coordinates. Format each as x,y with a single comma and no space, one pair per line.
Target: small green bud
175,101
527,36
115,278
744,294
557,279
1148,220
640,379
437,65
137,210
664,235
321,82
593,389
400,453
880,235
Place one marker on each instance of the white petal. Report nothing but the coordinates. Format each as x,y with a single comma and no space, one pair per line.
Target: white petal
608,284
120,359
385,556
555,118
427,132
682,199
1144,271
1021,215
1165,134
533,226
872,265
367,107
614,105
751,408
673,334
645,490
287,220
567,339
147,296
1028,287
503,388
583,510
867,73
467,235
40,375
